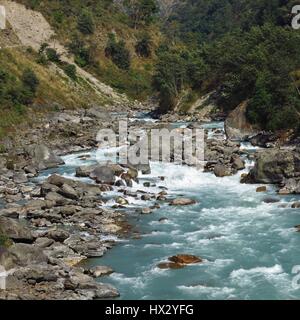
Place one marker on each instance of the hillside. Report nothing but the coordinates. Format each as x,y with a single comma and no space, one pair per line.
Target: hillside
240,50
105,18
179,51
66,77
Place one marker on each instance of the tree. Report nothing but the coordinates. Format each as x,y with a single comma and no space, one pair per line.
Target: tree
118,53
170,78
143,46
85,23
141,11
30,80
84,55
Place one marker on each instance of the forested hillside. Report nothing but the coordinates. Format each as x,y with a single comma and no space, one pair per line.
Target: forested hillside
243,50
181,50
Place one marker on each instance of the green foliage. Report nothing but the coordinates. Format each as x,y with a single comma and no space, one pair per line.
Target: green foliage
85,23
84,55
30,80
136,83
170,77
4,240
141,11
143,46
52,55
176,69
15,93
242,50
118,53
70,71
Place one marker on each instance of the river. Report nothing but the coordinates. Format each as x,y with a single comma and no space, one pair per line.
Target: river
249,247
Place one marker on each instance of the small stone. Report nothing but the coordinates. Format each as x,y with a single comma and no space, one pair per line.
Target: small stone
182,202
261,189
146,211
296,205
122,201
185,259
58,235
100,271
271,200
146,197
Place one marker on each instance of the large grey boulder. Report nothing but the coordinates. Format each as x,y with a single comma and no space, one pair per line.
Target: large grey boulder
104,175
221,171
20,177
22,255
85,171
237,126
14,230
68,192
274,166
43,157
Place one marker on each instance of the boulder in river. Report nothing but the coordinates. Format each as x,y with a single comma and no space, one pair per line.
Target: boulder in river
296,205
103,175
221,171
122,201
261,189
185,259
20,177
101,271
68,192
85,171
237,162
271,200
170,265
274,166
291,186
182,202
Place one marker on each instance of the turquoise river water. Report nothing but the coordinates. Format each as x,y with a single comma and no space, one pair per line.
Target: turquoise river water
250,247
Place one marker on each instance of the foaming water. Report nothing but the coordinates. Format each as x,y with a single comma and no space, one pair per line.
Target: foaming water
249,247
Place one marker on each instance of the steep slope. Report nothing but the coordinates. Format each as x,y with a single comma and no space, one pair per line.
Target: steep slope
32,30
103,19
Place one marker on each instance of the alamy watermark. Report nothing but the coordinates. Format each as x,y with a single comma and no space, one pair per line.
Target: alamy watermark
296,18
3,276
137,147
2,18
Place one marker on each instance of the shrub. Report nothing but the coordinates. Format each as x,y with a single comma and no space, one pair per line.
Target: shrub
143,46
30,80
84,55
85,23
52,55
118,53
70,71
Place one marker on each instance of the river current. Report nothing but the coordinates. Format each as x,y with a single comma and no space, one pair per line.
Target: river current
249,247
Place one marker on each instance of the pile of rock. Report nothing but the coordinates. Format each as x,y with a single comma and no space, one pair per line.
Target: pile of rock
49,235
224,158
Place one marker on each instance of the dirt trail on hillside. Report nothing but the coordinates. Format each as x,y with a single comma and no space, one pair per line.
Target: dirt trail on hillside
33,29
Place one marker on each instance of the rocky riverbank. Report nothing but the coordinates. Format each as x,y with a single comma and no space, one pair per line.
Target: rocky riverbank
48,228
